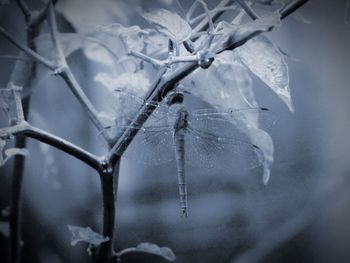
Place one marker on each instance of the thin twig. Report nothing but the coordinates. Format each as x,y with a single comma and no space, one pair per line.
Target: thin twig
65,72
204,24
248,9
291,7
30,131
212,12
206,11
16,58
24,8
38,18
61,63
28,51
191,10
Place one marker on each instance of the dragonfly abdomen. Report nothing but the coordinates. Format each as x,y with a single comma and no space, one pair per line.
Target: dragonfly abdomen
179,143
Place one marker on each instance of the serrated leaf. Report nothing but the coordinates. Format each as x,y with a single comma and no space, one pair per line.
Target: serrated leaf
169,23
151,248
265,60
87,235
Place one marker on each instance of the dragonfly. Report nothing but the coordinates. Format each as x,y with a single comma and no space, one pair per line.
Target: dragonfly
202,137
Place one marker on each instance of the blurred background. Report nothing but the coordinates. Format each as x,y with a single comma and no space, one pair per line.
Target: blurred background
301,215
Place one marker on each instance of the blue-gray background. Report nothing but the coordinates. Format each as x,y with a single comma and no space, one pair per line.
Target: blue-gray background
302,215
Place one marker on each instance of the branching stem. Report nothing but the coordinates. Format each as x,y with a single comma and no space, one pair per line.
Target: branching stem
28,130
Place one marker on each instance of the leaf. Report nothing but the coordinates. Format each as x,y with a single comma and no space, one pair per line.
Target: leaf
168,23
265,60
11,104
16,151
85,14
70,43
10,152
5,229
122,108
131,36
226,85
237,33
164,252
81,234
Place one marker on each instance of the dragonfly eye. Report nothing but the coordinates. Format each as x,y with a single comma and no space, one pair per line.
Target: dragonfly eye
175,98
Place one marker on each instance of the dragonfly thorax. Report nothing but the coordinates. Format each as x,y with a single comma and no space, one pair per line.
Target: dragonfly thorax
181,121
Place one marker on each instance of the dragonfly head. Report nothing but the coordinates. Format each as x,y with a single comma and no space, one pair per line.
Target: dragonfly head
175,97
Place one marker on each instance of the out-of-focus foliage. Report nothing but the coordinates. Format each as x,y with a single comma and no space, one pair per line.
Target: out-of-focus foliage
169,23
86,234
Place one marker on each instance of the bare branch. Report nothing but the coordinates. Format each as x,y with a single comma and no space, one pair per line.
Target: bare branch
24,8
291,7
66,73
206,10
248,9
212,12
204,24
38,18
16,58
37,57
191,10
27,130
54,36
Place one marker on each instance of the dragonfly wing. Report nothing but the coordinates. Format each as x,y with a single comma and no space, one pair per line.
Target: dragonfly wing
254,117
152,145
220,147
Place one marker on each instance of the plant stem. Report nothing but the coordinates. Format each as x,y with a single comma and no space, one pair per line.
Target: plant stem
109,178
27,50
16,195
24,129
22,74
63,69
163,85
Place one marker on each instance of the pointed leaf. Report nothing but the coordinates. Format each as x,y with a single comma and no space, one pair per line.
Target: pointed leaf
265,60
164,252
237,33
226,85
168,23
86,234
131,36
70,43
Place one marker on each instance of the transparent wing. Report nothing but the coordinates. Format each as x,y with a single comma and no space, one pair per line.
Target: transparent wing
254,116
152,145
219,145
